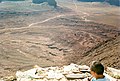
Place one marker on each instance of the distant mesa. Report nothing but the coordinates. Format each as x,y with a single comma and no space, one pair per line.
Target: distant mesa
11,0
50,2
111,2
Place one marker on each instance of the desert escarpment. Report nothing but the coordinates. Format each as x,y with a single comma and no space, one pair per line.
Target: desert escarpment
41,35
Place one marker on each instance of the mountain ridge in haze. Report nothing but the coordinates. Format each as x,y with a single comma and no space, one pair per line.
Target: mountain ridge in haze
111,2
50,2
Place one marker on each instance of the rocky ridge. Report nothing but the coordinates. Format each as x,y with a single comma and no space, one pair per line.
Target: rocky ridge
72,72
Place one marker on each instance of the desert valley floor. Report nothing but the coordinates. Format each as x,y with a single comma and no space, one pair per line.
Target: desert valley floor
42,35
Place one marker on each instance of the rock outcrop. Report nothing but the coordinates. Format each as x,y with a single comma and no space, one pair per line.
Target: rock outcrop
50,2
11,0
112,2
72,72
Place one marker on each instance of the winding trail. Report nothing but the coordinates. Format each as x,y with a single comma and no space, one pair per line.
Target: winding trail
84,17
38,22
46,20
78,11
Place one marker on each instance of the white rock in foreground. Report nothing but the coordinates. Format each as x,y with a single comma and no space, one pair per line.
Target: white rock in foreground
52,73
72,72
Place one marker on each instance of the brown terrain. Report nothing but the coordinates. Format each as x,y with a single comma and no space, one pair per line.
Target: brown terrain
58,36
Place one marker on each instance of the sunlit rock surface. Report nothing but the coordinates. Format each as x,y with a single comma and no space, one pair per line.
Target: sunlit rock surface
72,72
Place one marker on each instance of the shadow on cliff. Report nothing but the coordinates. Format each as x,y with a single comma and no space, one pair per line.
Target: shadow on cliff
50,2
111,2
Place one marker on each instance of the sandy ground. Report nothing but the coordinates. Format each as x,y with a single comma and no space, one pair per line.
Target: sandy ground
58,37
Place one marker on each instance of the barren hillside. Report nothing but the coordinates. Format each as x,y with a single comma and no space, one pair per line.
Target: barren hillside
107,52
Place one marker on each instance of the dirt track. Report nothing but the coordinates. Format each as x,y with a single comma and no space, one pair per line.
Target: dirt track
54,38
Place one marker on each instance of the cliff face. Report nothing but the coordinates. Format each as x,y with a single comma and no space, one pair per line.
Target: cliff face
38,1
50,2
112,2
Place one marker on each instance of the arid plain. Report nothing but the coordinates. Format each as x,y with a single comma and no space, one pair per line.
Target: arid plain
74,32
